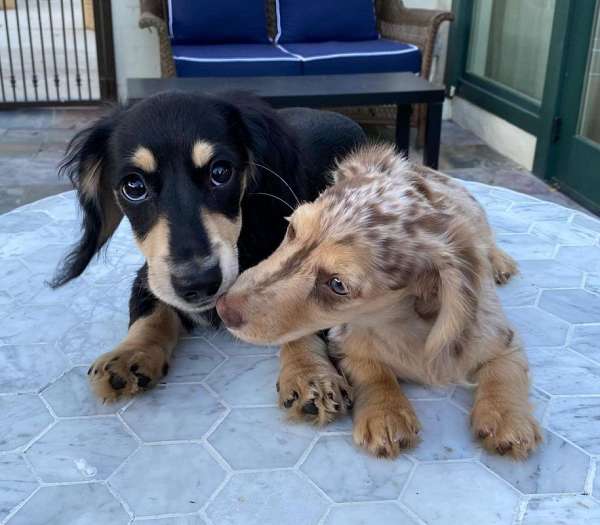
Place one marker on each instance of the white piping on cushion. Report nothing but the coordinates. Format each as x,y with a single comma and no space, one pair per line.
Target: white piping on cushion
170,14
281,48
278,18
266,59
346,55
410,49
294,57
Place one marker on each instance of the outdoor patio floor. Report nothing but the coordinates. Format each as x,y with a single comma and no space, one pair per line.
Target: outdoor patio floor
32,142
210,446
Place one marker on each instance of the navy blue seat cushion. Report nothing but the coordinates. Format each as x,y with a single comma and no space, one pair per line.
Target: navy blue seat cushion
234,60
371,56
323,20
217,21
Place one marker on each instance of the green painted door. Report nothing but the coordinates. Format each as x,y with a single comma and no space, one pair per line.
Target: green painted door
575,158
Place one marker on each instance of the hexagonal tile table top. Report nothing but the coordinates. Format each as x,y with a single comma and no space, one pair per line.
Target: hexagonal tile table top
210,446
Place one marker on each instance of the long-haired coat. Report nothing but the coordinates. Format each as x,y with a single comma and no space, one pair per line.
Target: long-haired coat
401,261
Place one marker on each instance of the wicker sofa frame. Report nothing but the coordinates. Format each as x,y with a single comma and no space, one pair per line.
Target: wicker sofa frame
394,20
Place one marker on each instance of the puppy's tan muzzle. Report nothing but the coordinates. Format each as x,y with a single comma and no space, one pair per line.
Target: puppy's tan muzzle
229,308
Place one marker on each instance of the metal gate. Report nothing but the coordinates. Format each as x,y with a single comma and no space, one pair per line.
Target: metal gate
56,52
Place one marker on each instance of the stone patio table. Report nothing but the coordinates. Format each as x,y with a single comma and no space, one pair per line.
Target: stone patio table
210,446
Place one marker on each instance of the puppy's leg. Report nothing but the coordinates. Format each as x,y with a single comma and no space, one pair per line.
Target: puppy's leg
503,265
142,358
309,386
501,416
384,420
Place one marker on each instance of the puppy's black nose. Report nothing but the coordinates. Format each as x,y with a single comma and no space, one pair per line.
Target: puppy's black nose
197,287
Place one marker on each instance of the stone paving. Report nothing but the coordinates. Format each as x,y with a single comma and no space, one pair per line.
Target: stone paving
209,446
33,141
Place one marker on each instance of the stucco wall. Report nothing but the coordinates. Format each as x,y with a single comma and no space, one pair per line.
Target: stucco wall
136,50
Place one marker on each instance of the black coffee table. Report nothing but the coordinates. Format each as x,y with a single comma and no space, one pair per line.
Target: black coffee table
401,89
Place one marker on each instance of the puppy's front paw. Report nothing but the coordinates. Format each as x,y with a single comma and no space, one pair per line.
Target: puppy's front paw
512,431
503,265
385,431
125,372
317,395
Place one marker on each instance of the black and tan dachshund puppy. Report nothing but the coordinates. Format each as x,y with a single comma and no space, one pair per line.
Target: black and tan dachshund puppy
206,183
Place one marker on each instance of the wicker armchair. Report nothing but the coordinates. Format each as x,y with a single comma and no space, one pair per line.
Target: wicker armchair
394,20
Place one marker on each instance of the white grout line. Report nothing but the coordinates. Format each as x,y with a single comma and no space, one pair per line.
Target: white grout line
308,450
216,455
31,468
325,515
216,424
589,480
16,509
504,481
521,509
115,494
568,396
411,474
216,492
411,513
308,479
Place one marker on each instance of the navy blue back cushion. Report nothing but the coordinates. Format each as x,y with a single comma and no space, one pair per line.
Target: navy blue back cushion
324,20
217,21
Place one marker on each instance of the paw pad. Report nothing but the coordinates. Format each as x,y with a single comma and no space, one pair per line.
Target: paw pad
289,402
116,381
132,370
310,408
322,395
503,448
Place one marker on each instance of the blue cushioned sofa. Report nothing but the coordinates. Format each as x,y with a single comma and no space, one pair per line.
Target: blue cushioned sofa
222,38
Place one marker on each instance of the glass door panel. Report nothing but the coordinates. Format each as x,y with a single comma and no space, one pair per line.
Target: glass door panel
509,43
589,119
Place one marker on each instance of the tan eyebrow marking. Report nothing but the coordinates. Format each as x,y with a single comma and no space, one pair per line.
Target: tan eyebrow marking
202,152
220,228
144,159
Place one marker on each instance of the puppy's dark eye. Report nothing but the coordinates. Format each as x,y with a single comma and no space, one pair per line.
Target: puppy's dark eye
134,188
337,286
220,172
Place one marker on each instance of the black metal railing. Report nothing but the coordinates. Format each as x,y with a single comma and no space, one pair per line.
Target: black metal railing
48,52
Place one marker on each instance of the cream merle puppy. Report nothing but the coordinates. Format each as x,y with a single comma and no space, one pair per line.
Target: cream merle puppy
205,183
401,262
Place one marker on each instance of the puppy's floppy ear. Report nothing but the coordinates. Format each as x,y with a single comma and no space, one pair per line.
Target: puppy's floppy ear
449,286
85,164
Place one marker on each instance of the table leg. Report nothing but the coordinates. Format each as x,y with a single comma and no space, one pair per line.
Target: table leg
433,132
403,128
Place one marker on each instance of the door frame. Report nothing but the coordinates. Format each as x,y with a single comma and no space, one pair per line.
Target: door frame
569,100
508,104
541,119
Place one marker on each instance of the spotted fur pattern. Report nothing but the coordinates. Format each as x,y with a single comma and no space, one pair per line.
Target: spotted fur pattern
418,263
